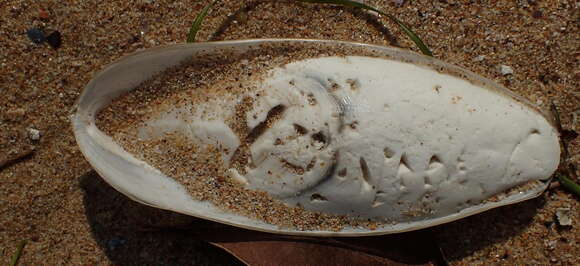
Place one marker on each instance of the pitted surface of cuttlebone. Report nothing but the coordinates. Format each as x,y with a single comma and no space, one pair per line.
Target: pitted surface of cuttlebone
376,138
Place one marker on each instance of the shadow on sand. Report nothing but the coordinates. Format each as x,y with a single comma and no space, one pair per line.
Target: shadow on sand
131,233
462,238
134,234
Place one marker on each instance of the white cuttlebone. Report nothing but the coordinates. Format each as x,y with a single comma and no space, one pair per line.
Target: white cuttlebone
418,131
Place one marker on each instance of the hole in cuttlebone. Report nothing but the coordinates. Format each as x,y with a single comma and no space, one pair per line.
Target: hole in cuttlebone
342,173
273,115
354,84
317,197
434,159
311,99
333,85
320,137
311,164
434,162
300,129
388,153
405,162
366,173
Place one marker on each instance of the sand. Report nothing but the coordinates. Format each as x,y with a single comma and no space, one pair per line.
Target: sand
52,199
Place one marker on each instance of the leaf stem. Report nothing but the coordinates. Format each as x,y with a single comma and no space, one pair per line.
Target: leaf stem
570,185
18,253
196,25
412,35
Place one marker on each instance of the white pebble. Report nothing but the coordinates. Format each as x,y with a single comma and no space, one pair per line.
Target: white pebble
506,70
33,134
479,58
563,215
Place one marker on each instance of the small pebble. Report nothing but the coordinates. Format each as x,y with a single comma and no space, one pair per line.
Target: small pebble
563,215
43,14
54,39
506,70
551,245
479,58
34,134
36,35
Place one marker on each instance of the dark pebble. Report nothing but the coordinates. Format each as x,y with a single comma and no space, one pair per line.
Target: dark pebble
36,35
54,39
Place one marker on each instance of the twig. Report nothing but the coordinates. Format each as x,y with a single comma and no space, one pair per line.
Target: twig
16,158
